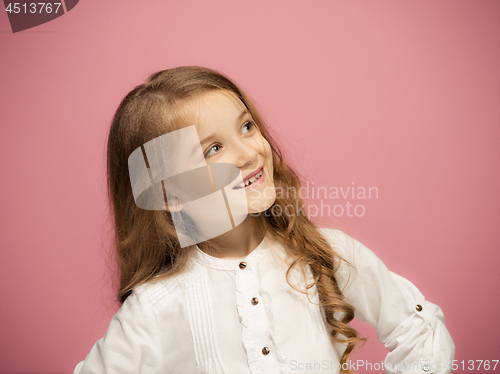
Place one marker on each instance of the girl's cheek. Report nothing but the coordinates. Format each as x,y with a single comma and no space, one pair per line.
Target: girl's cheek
269,156
269,153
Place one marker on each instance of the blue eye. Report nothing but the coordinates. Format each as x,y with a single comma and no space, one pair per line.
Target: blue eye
212,150
249,126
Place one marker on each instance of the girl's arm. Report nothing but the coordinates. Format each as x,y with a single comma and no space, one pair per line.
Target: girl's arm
131,344
411,327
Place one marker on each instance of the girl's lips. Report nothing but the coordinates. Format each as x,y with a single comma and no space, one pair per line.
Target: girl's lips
254,184
252,175
258,182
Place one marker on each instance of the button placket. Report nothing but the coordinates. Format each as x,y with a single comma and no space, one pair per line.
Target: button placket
254,318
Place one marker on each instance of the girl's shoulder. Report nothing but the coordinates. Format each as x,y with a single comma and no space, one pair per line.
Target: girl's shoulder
341,242
354,254
167,285
332,234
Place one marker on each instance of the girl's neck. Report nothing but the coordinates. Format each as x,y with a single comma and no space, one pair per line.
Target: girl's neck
239,242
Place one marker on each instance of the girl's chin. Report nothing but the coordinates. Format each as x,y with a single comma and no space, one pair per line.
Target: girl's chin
260,206
261,198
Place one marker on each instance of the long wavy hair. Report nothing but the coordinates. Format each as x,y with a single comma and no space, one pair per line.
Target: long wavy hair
146,241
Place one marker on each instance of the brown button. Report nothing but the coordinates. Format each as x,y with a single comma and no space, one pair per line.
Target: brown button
255,301
243,265
419,307
265,351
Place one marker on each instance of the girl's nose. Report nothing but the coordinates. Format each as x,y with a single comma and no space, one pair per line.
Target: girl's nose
245,154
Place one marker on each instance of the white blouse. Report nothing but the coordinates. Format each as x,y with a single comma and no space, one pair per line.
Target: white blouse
241,316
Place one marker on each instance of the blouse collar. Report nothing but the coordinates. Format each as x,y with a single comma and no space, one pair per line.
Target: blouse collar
232,264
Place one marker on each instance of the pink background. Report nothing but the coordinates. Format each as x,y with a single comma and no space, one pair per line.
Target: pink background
399,95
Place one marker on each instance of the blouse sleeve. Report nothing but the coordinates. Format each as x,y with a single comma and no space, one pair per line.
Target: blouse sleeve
411,328
131,344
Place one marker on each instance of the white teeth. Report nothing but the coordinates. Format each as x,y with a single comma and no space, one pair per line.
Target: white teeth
251,180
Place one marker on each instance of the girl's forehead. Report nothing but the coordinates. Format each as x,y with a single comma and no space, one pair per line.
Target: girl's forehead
212,106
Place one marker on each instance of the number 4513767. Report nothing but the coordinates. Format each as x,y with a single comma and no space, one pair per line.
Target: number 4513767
472,364
33,7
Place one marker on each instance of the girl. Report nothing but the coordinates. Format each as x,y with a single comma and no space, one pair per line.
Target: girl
266,293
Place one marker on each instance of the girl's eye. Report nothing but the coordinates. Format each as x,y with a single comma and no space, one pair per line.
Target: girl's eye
248,127
212,150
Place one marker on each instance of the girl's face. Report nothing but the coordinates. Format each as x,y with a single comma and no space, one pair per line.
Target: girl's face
228,135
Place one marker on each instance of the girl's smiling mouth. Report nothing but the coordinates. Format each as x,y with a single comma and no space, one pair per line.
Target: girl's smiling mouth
253,180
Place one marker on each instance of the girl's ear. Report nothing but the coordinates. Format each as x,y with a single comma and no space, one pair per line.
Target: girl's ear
175,207
172,204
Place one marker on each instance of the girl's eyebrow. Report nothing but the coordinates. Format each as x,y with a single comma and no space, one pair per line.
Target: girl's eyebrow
242,114
211,136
